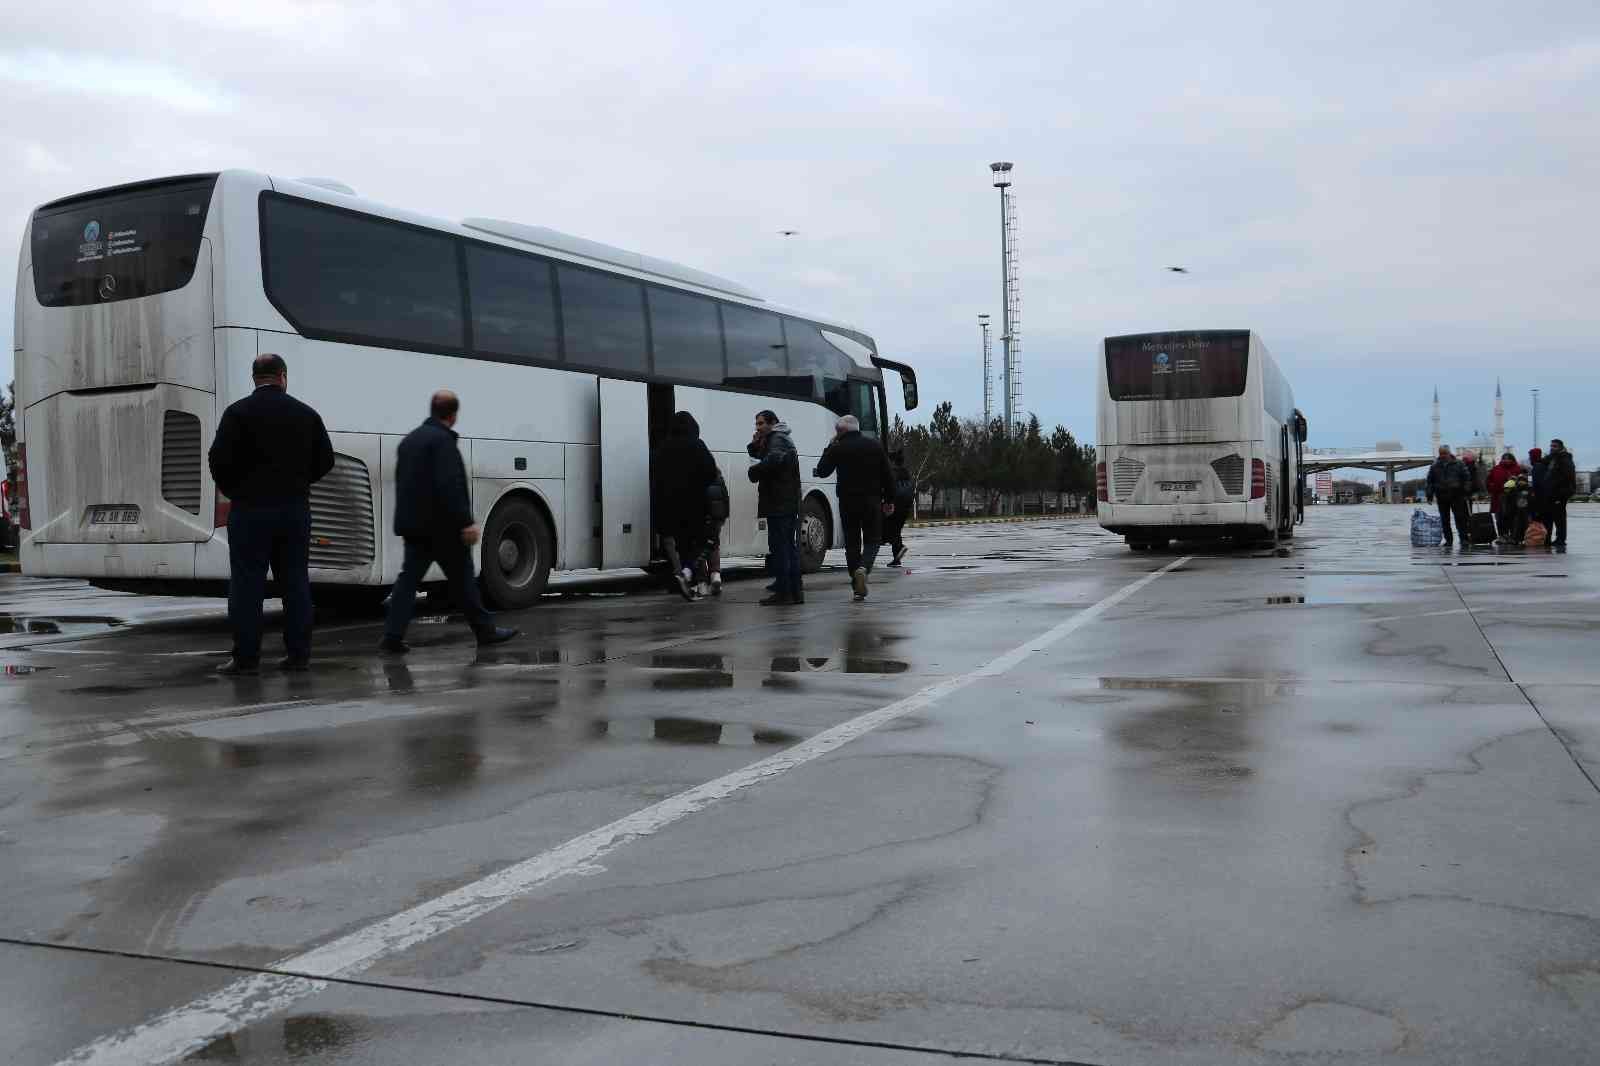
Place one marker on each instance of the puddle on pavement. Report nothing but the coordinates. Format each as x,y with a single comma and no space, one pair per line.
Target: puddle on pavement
679,680
57,625
847,664
1280,601
1203,736
966,566
683,730
686,661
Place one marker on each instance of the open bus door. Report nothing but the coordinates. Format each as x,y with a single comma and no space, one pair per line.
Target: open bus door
624,474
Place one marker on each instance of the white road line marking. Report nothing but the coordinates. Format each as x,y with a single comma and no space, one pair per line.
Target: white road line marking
1426,614
182,1030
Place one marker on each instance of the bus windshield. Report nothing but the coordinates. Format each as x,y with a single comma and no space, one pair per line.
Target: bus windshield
1203,365
121,244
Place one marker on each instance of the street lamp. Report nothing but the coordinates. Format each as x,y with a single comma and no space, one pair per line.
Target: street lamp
988,375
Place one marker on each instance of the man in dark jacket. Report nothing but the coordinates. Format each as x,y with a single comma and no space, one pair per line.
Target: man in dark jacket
865,487
776,474
1563,483
905,496
269,450
1449,484
433,514
682,470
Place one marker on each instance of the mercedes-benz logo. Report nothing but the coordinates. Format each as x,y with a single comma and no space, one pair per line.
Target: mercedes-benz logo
108,287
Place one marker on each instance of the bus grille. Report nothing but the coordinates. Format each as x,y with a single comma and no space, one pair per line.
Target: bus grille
1125,474
342,536
180,460
1230,471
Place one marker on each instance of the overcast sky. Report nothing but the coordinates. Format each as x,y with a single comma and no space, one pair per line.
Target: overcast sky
1396,195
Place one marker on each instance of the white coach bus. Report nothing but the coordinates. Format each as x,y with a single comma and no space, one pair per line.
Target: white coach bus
1199,438
139,310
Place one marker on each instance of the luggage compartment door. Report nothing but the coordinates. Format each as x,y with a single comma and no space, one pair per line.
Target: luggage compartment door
624,488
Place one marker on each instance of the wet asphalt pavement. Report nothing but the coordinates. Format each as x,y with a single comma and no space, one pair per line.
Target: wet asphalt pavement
1333,805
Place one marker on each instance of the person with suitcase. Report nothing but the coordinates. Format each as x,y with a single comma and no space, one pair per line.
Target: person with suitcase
1449,483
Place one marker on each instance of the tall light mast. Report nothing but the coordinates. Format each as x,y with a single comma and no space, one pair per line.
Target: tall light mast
988,370
1011,300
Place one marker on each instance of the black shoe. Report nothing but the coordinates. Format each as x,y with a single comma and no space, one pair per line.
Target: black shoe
799,597
497,635
239,668
293,664
393,646
776,600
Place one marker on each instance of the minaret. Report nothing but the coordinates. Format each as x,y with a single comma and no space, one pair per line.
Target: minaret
1499,422
1437,439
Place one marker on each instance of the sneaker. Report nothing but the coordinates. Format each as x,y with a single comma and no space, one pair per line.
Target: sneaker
899,557
683,585
393,646
716,584
497,635
776,600
239,668
858,581
293,664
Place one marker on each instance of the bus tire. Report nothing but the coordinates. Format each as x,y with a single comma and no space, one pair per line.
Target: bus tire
1139,545
815,534
518,549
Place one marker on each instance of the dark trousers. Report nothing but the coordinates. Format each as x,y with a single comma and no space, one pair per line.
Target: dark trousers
862,520
279,536
455,559
893,524
1457,506
1556,519
784,553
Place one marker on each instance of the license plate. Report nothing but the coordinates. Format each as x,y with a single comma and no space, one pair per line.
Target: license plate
113,516
1179,486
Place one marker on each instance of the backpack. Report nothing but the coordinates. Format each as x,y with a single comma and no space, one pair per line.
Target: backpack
717,500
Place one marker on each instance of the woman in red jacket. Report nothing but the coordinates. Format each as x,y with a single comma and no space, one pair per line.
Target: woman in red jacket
1507,467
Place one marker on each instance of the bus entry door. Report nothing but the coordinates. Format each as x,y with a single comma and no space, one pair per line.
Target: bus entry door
624,474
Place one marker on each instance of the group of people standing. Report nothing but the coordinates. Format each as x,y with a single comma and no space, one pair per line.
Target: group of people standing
1519,494
690,503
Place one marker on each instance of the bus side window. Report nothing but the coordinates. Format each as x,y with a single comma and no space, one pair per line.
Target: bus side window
602,319
864,405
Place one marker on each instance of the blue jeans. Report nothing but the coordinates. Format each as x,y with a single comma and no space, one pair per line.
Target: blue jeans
785,553
276,535
455,559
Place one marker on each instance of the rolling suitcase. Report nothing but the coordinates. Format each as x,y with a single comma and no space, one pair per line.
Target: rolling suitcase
1481,525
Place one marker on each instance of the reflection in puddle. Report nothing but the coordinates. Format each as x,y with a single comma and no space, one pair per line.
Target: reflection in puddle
680,680
686,661
848,664
23,669
1278,601
687,731
682,730
308,1035
1202,734
56,625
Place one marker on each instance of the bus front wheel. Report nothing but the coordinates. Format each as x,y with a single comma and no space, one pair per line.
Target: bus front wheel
815,534
518,549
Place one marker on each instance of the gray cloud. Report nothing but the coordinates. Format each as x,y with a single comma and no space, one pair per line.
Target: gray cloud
1394,195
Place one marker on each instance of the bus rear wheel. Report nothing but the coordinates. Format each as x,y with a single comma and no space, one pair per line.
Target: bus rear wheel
518,549
815,533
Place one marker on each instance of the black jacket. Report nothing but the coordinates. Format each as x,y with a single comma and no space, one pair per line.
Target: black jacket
905,487
776,473
432,497
681,469
1448,478
1562,475
863,467
270,448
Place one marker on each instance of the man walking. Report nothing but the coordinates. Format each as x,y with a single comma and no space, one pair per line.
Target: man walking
1562,475
776,474
905,497
1449,483
433,514
865,487
269,450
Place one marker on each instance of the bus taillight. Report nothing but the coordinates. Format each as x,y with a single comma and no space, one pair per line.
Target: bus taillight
219,517
24,518
1101,492
1258,479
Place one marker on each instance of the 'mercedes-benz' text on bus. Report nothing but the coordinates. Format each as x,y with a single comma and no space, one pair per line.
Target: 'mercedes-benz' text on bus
1198,438
141,307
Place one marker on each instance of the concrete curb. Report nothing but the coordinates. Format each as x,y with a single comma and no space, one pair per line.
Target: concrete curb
993,520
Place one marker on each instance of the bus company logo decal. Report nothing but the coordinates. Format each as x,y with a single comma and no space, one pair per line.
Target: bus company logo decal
92,247
1163,363
91,232
108,287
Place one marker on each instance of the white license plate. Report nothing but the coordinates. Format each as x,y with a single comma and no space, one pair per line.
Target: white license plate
113,516
1179,486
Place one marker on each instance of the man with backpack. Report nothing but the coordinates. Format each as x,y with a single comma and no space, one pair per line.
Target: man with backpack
1562,476
905,496
865,487
1449,484
683,477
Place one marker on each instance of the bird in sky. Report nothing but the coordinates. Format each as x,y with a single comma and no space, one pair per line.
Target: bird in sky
1179,270
788,232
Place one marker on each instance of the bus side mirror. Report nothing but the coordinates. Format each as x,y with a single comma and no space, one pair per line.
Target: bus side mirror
908,388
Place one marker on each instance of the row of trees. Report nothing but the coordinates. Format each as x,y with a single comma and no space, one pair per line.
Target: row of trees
1012,472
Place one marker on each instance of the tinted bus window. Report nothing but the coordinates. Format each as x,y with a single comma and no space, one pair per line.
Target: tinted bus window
513,304
755,347
120,245
685,336
811,356
355,277
602,318
1178,366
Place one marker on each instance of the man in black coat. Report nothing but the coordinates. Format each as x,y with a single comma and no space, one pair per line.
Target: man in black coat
682,470
776,475
865,487
1562,476
268,451
433,515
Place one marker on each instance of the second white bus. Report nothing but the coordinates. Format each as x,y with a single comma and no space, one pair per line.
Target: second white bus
1198,438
